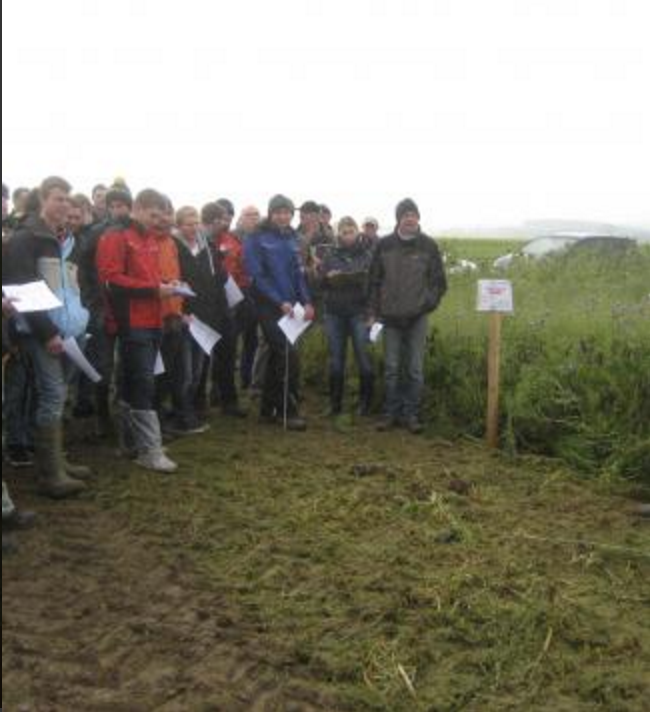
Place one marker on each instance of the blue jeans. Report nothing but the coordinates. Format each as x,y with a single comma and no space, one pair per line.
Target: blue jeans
50,382
339,330
404,351
138,349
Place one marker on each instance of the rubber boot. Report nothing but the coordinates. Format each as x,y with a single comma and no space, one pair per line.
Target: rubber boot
103,423
366,394
148,440
337,385
53,480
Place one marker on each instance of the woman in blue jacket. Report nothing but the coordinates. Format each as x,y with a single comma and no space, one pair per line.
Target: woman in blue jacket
273,263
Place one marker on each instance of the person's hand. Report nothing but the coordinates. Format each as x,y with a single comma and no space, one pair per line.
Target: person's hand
334,273
8,306
55,346
287,309
310,313
167,290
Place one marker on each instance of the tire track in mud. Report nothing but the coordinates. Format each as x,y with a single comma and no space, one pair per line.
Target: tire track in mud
94,618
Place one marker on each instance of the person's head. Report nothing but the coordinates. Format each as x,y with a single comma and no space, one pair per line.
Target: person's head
77,214
370,229
347,232
229,210
281,211
119,202
188,222
99,200
5,201
309,216
169,218
84,202
19,199
407,215
33,202
213,217
54,194
150,208
325,215
249,219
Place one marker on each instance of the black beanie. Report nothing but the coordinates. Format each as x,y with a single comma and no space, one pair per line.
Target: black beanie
227,205
119,193
281,202
406,206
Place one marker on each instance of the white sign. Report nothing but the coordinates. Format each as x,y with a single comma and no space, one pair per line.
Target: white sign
32,297
495,295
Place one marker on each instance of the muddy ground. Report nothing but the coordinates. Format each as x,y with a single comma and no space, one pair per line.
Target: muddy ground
336,570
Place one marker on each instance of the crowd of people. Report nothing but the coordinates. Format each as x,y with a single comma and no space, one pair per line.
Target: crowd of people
133,275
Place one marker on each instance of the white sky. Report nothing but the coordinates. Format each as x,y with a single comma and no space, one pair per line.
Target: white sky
484,111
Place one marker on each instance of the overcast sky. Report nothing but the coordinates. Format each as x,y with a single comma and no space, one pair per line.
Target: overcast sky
485,111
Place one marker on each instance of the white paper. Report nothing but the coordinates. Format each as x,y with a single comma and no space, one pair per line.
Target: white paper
233,293
495,295
76,355
183,290
32,297
205,336
295,325
159,368
375,332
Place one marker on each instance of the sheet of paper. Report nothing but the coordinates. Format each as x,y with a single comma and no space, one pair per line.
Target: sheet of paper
159,368
294,326
375,332
32,297
76,355
205,336
233,293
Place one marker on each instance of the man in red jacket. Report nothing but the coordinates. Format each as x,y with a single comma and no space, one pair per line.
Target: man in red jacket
128,263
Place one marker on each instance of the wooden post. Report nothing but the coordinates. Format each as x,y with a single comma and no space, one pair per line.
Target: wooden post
494,379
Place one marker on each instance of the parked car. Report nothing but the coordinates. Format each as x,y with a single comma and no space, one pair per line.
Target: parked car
562,244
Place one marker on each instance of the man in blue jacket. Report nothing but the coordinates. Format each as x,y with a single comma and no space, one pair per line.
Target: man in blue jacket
273,263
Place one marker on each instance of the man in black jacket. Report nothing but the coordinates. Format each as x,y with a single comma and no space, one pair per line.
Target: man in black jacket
101,346
407,282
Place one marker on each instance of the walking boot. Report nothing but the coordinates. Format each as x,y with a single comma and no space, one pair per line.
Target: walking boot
366,395
337,386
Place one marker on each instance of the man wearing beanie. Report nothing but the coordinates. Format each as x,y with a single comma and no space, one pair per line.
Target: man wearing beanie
272,258
407,282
